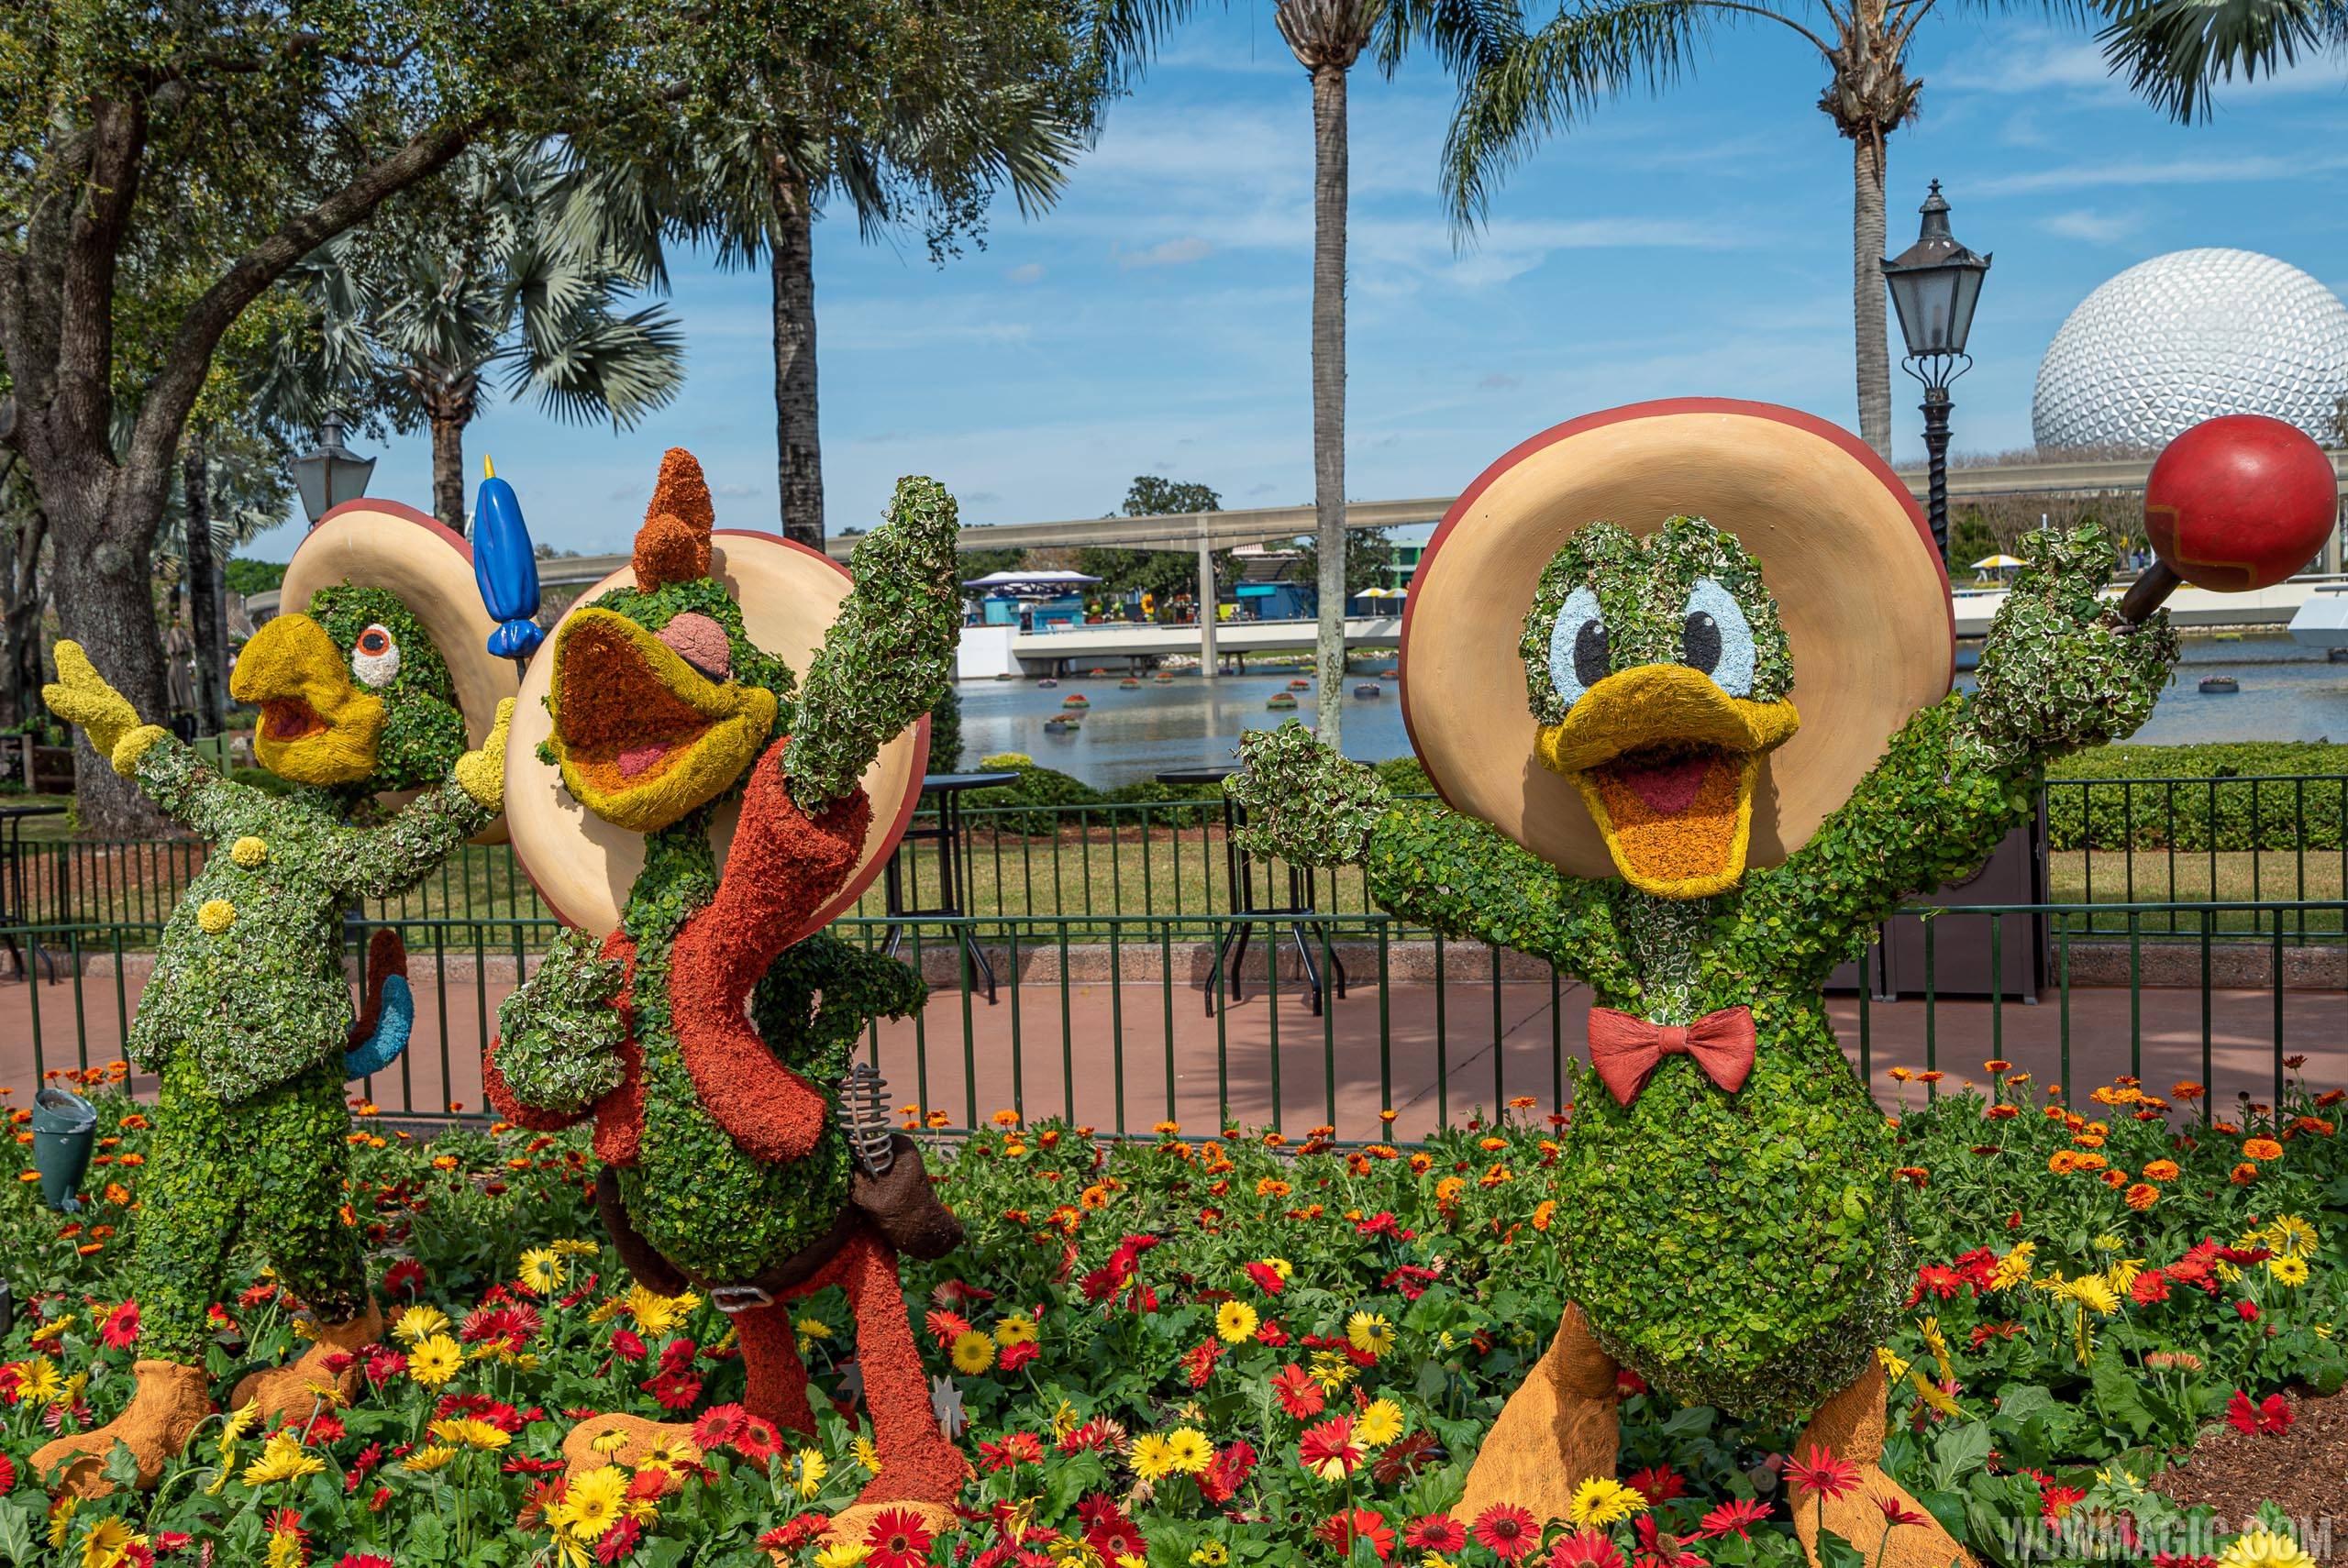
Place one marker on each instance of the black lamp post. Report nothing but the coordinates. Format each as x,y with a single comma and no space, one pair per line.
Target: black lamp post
331,473
1934,284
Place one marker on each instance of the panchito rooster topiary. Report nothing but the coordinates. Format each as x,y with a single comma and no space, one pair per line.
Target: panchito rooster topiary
247,1019
708,1034
1727,1216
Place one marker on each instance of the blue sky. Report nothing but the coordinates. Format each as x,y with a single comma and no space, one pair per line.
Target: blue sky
1695,243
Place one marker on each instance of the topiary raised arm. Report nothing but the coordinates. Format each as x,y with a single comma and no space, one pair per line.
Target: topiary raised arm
885,659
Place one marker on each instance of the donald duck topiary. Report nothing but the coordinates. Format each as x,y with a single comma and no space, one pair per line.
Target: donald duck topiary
1681,671
379,686
717,753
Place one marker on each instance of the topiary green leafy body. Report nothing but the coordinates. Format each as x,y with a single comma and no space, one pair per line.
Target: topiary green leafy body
1740,1250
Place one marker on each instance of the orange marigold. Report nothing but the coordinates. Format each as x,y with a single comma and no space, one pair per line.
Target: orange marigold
2161,1170
2262,1149
2243,1174
2142,1196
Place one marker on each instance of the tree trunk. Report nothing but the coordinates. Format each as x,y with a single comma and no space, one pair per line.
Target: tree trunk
102,578
207,623
1329,390
449,466
799,453
23,673
1874,357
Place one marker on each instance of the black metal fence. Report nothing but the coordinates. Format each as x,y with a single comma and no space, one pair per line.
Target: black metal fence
2266,847
1122,1021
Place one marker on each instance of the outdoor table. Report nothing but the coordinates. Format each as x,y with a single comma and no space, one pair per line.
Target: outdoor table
1238,874
948,788
13,906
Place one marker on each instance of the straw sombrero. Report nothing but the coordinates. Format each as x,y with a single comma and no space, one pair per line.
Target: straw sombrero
584,866
1843,548
381,543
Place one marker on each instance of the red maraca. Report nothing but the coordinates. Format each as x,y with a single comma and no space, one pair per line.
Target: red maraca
2234,503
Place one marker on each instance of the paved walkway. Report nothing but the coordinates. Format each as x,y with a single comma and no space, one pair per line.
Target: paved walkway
1428,1055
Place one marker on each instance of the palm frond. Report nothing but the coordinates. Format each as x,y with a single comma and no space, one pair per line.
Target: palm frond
1544,81
2175,52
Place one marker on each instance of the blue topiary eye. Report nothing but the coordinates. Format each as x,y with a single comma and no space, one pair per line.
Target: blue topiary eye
1579,655
1714,638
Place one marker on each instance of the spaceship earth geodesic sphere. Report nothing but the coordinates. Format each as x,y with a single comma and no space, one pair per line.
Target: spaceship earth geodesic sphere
2187,336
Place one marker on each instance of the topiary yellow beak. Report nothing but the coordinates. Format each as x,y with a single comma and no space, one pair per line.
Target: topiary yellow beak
641,736
317,726
1666,763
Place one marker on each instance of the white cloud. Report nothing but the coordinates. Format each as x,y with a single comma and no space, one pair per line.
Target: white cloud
735,491
1165,253
2096,228
1026,273
2187,171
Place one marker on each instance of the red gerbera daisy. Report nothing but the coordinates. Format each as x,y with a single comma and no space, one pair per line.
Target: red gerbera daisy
1820,1472
1435,1533
121,1327
1507,1531
1585,1549
1343,1528
1299,1395
1328,1450
1658,1483
1735,1518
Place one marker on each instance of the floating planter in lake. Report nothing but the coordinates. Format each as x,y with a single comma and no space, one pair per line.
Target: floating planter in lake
1300,685
1367,688
2220,685
1060,725
1163,675
1048,683
1076,700
1128,684
1281,701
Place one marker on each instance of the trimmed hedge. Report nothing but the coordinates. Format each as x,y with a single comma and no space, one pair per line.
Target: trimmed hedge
2310,776
2286,795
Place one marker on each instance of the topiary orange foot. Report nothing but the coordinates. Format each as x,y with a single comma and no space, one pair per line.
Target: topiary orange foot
1556,1430
170,1401
1889,1528
297,1388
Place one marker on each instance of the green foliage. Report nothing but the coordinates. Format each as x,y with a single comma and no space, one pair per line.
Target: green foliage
700,1198
1453,1253
267,1171
262,1002
1305,802
890,653
558,1034
1154,495
2298,806
2059,669
945,730
424,729
1642,584
242,576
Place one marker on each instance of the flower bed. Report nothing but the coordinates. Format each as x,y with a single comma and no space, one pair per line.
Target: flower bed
1190,1352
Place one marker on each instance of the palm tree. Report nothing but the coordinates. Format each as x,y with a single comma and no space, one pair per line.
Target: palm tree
915,120
1327,37
496,286
1546,78
2175,51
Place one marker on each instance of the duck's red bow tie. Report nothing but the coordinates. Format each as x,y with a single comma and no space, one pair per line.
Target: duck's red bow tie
1627,1049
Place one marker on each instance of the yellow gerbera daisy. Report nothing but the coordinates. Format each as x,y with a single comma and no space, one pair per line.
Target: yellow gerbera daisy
1602,1501
973,1352
1016,1329
468,1432
1234,1322
419,1322
808,1468
591,1505
860,1448
1380,1422
436,1360
1188,1449
281,1459
107,1541
540,1272
2265,1549
842,1554
1153,1457
1369,1333
429,1458
2288,1270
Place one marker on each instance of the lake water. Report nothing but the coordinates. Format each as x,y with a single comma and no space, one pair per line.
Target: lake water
2287,692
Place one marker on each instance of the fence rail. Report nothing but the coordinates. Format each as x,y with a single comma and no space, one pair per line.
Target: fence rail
1104,1018
2256,843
